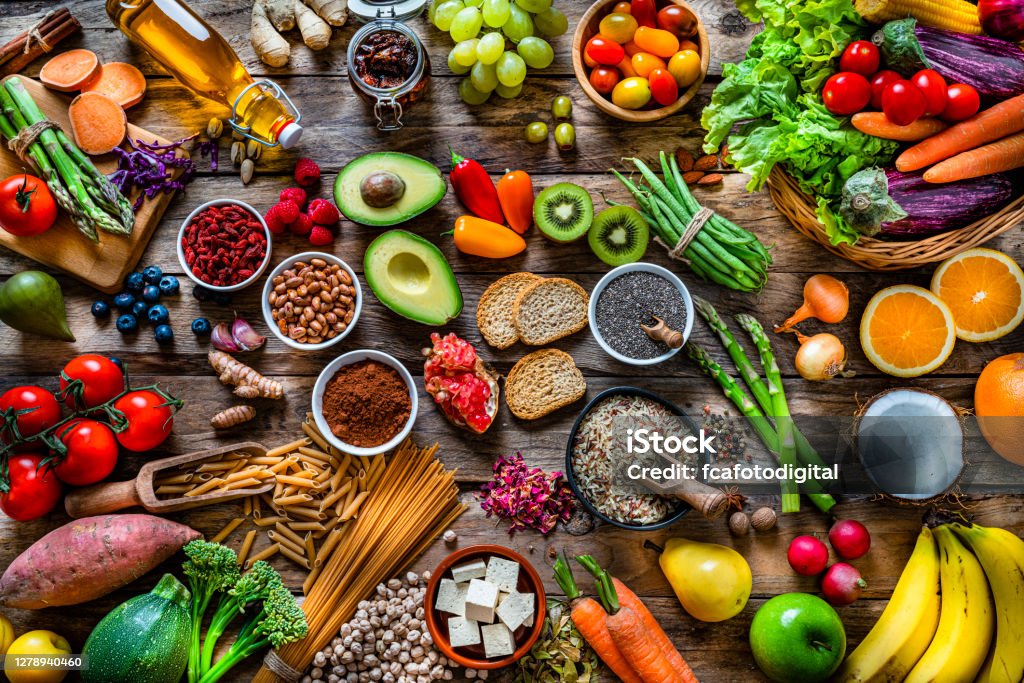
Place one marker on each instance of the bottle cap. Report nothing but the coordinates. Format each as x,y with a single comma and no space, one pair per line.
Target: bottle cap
290,135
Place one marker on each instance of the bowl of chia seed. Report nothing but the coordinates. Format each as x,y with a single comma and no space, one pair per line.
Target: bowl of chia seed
626,299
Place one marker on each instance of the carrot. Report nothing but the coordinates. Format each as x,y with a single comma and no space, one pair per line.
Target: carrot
70,70
877,124
121,82
1004,155
998,121
628,598
98,123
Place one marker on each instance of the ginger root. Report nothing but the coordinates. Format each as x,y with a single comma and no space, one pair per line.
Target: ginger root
281,14
234,415
233,372
316,33
334,12
269,45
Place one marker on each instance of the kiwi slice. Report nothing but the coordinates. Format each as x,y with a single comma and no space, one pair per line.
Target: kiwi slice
563,212
619,235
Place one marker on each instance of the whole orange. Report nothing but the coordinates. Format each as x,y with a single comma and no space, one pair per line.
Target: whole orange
999,405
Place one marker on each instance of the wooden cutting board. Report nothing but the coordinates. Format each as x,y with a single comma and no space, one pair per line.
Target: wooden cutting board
102,265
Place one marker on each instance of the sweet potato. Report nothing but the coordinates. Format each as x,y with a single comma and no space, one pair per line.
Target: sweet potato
121,82
98,123
69,70
88,558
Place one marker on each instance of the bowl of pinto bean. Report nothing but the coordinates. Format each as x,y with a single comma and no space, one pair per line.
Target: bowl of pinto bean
312,300
224,245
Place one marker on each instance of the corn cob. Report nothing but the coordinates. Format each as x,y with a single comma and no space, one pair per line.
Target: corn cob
950,15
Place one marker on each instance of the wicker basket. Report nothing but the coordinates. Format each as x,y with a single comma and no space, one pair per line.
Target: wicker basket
875,254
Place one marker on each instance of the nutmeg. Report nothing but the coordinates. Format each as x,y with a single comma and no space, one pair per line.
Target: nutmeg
739,524
763,519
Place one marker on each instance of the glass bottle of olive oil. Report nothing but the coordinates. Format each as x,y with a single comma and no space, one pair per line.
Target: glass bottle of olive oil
203,61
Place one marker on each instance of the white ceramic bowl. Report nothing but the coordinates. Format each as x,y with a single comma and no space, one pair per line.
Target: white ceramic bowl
639,267
181,251
284,265
329,372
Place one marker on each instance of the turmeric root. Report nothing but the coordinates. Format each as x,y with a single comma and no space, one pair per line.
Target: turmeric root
239,374
269,45
234,415
316,33
334,12
281,14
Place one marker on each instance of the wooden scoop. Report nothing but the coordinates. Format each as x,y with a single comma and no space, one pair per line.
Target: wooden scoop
710,502
661,332
101,499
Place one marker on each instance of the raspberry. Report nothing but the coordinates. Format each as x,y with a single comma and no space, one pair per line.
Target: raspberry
320,236
288,210
295,194
323,212
306,172
302,225
275,220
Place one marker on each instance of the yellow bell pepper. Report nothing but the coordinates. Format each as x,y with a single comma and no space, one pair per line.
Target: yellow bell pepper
479,237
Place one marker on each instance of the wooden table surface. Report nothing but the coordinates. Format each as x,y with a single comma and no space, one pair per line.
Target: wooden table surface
338,128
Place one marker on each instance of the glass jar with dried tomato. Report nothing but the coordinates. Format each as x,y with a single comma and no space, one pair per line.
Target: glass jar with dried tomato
388,67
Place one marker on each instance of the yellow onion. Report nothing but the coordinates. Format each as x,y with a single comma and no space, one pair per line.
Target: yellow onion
821,357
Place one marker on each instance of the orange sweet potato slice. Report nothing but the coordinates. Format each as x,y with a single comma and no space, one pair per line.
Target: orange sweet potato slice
70,70
98,123
119,81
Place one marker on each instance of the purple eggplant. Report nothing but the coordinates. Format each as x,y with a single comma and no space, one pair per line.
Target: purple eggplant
886,202
994,67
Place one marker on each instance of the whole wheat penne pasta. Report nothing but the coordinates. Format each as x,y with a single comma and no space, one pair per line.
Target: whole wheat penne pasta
289,534
205,487
289,491
365,460
354,466
184,478
257,508
227,529
235,466
241,484
269,521
297,480
236,455
205,476
247,507
311,579
278,490
361,480
243,554
310,550
307,526
336,478
323,477
264,554
217,466
306,513
297,499
172,489
353,507
333,539
297,558
333,498
264,460
281,466
315,454
267,499
243,474
312,433
331,523
287,448
298,548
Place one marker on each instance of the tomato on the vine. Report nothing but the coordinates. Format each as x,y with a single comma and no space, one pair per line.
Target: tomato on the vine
604,50
33,492
604,78
879,82
149,420
42,410
91,452
933,87
963,102
26,206
846,93
101,379
903,103
860,57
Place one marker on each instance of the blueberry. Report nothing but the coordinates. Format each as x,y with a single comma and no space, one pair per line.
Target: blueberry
163,334
222,298
124,300
201,293
201,327
134,282
139,309
169,285
151,293
127,323
100,309
152,274
158,314
117,362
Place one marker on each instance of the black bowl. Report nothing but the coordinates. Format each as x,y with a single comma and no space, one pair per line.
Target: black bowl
570,473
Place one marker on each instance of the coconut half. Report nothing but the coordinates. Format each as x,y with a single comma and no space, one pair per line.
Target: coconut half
910,443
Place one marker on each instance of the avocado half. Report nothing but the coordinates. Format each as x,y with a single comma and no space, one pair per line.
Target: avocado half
424,186
411,277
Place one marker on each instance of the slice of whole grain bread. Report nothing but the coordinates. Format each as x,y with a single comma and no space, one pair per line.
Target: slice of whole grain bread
494,312
542,382
549,309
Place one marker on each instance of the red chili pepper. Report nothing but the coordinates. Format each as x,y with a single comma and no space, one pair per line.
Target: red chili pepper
645,12
475,189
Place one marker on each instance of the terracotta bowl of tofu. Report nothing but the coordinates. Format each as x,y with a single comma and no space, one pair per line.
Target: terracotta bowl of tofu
485,606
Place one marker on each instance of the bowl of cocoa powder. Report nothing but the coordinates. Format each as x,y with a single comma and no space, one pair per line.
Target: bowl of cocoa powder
364,402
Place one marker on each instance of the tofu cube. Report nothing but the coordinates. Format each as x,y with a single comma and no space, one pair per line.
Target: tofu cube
463,632
516,609
481,599
469,570
498,641
528,622
451,597
503,573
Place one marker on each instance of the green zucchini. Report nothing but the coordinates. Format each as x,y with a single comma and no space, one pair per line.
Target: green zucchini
143,640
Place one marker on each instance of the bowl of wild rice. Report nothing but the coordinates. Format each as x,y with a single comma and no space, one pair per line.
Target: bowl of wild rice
596,449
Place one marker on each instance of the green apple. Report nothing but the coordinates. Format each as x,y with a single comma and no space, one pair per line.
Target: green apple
797,638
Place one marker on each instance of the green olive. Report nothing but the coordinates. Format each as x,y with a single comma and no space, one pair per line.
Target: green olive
537,132
561,108
565,136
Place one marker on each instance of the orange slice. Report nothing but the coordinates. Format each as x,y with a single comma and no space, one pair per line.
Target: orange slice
984,289
907,331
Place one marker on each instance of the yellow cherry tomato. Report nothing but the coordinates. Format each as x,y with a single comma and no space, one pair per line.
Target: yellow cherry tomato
632,93
656,41
644,63
626,68
618,27
631,48
6,634
685,68
36,644
622,8
688,45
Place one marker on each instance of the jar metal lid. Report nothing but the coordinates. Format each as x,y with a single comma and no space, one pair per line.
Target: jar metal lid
401,10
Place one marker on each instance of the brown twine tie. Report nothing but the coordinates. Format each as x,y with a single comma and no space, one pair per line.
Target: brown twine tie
28,136
694,226
280,668
35,34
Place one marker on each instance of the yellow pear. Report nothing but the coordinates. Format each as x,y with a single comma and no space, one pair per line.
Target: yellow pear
712,581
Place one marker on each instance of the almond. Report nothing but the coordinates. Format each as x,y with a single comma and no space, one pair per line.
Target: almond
706,163
692,177
684,159
711,179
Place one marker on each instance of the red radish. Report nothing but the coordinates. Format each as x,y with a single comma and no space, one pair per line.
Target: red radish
849,538
807,555
842,584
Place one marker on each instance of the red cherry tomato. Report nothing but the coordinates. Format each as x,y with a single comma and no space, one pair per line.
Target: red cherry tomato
664,88
933,87
33,491
42,410
860,57
101,379
846,93
149,420
963,102
604,78
678,20
26,206
91,452
903,103
604,50
644,11
879,82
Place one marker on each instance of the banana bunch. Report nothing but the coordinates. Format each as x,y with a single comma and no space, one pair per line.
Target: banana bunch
956,615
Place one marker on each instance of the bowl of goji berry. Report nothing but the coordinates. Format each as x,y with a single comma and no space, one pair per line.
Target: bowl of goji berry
224,245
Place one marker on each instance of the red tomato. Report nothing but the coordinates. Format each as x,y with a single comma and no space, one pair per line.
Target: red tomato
678,20
42,410
879,82
963,102
26,206
933,87
664,88
846,93
149,420
604,78
860,57
33,491
903,103
101,379
91,452
644,11
604,50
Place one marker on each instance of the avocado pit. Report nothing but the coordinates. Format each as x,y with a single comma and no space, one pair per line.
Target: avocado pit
381,189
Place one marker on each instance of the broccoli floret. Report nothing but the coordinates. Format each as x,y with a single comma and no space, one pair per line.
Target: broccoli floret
255,585
211,568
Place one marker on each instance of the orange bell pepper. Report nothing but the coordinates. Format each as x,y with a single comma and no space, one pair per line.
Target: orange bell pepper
481,237
515,191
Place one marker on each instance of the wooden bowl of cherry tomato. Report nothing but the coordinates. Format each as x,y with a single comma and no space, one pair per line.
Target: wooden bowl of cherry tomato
641,60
